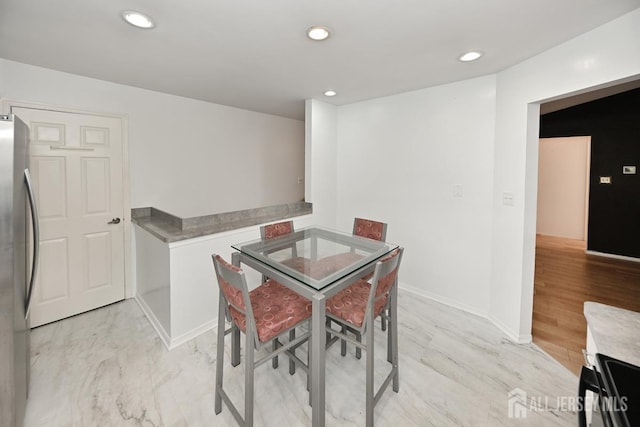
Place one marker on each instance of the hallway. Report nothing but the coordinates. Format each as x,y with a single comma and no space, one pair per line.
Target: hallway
566,277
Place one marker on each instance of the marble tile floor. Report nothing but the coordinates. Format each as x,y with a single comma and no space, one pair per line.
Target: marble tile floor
107,367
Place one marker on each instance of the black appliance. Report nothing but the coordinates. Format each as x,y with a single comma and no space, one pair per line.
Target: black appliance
617,386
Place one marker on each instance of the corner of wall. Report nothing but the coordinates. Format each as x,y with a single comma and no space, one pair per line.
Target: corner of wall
514,336
321,159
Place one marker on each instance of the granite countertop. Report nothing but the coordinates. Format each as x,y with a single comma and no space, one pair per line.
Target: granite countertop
170,228
616,331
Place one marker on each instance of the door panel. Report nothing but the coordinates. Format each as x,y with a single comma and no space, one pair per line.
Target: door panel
94,136
50,178
76,161
53,279
98,247
47,133
96,186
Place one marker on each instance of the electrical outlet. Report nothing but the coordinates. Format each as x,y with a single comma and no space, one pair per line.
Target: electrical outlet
457,191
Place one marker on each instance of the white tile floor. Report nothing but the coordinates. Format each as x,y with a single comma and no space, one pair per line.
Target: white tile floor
108,368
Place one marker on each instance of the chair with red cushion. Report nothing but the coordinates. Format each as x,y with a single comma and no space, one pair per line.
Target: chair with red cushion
274,231
370,229
357,306
375,230
280,229
264,315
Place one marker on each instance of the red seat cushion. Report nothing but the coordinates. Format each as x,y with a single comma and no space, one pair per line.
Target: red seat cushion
337,262
276,308
350,303
300,264
321,268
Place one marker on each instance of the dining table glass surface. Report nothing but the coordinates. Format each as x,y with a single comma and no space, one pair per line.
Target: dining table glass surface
316,256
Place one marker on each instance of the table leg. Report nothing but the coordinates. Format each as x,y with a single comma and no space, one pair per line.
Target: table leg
235,332
235,346
318,343
393,331
314,249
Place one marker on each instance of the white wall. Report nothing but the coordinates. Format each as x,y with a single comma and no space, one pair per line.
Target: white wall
600,57
153,278
473,252
187,157
320,161
563,186
415,147
399,160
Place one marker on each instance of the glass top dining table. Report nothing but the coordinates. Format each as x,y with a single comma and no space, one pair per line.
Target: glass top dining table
321,256
317,263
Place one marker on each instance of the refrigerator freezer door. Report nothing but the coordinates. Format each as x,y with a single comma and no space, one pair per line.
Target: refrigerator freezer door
14,329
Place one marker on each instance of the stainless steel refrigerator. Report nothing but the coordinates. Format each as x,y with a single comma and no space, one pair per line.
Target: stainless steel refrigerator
18,267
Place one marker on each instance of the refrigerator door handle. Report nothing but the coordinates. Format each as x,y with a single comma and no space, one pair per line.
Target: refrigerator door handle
36,240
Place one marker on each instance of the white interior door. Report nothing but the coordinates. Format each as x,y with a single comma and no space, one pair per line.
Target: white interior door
563,186
77,169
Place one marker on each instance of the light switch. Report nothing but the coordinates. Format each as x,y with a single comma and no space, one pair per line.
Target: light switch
508,199
605,180
457,191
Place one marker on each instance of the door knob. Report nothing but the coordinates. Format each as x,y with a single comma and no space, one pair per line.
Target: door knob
114,221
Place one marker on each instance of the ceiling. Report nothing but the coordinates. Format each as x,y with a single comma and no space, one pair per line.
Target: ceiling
590,95
254,54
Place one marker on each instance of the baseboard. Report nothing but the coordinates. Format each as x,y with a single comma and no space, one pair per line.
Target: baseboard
444,300
512,335
169,342
517,338
614,256
164,336
188,336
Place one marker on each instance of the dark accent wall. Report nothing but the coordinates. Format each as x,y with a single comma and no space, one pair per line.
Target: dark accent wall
614,126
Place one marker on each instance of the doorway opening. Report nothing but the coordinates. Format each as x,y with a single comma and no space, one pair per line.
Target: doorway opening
566,272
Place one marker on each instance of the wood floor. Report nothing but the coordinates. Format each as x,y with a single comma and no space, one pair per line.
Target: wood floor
565,278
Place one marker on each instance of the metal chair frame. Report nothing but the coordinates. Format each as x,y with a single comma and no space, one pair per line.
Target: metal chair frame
382,269
253,344
294,254
384,316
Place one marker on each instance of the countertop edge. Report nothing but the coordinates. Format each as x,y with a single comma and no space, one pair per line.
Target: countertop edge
616,331
170,228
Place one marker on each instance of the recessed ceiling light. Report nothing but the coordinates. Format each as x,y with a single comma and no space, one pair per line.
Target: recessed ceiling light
318,33
330,93
137,19
470,56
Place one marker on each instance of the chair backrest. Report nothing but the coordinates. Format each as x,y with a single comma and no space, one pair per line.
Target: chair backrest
233,288
370,229
277,229
385,277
